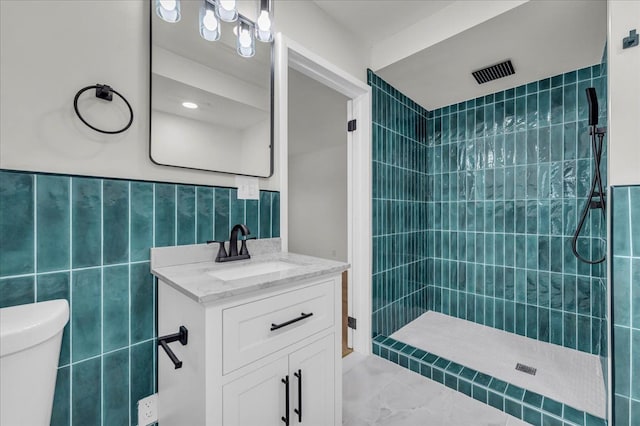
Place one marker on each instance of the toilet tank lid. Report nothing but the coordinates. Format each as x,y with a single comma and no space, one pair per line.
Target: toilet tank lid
23,326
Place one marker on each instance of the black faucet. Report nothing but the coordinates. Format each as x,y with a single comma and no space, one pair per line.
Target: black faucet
233,254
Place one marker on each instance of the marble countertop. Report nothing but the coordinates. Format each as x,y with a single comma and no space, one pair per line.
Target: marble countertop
198,281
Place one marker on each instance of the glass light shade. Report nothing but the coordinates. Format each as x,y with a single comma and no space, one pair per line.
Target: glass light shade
209,24
246,42
264,30
168,10
227,10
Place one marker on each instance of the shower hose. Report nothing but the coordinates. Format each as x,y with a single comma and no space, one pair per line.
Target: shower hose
596,199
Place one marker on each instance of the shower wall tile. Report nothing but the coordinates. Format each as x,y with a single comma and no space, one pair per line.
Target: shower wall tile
87,240
625,276
522,168
400,213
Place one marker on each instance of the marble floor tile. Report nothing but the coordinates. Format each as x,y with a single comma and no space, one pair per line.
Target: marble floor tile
377,392
566,375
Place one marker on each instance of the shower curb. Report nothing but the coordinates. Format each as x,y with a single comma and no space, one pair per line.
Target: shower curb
523,404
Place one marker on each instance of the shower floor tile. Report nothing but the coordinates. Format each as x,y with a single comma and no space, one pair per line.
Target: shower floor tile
377,392
566,375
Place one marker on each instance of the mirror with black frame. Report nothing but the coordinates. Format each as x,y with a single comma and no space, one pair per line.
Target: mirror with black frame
211,108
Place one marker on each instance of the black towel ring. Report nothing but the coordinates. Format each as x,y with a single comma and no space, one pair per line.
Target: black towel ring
103,91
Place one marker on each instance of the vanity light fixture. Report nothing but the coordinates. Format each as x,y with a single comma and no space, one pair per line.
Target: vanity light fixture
246,44
209,24
169,10
190,105
214,11
263,23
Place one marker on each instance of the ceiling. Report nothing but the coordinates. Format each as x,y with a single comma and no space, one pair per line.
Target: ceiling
542,38
374,21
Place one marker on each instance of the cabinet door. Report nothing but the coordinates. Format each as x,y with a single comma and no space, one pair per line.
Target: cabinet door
312,377
257,398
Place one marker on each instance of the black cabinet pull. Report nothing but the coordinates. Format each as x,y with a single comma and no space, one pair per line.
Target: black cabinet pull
298,410
285,418
286,323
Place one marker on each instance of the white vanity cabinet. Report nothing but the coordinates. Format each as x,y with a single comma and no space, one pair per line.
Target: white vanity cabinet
267,357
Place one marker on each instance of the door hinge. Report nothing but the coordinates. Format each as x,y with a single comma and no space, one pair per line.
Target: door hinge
351,125
351,322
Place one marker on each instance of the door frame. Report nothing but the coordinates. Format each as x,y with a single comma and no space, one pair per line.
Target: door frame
289,53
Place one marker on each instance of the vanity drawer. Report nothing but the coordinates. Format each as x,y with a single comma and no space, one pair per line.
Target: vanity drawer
256,329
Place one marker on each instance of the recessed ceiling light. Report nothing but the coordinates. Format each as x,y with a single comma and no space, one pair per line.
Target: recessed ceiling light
190,105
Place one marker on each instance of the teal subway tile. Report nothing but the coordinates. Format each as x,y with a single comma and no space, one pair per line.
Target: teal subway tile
141,220
115,221
53,223
186,215
265,215
591,420
60,413
551,406
465,387
621,411
533,399
515,392
513,408
115,302
621,274
237,208
16,223
635,364
548,420
531,416
116,388
16,291
573,415
275,214
57,286
222,226
252,213
635,302
165,215
634,208
86,227
141,383
479,394
142,306
86,318
621,226
204,214
86,392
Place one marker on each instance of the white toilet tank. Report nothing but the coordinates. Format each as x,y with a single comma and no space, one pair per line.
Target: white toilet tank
30,338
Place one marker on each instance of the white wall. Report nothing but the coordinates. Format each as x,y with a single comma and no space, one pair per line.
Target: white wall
624,94
317,169
49,49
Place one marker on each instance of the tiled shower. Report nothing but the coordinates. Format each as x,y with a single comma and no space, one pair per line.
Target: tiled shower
476,203
87,240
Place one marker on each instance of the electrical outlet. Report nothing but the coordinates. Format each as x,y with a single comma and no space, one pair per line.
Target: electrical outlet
148,410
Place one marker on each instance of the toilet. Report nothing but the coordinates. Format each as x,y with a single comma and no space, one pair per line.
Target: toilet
30,339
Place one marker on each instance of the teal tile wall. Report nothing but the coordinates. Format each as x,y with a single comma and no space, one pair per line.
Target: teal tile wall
507,176
625,285
399,208
87,240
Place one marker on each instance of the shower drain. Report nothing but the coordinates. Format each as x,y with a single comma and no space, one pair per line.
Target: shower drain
526,369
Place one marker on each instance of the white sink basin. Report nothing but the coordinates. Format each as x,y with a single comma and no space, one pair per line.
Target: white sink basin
246,271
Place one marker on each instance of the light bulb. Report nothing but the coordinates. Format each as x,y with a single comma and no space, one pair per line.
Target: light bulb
168,10
246,46
245,38
190,105
264,22
209,25
227,10
210,21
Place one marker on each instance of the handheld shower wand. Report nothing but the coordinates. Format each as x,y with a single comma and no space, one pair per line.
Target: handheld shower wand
596,199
